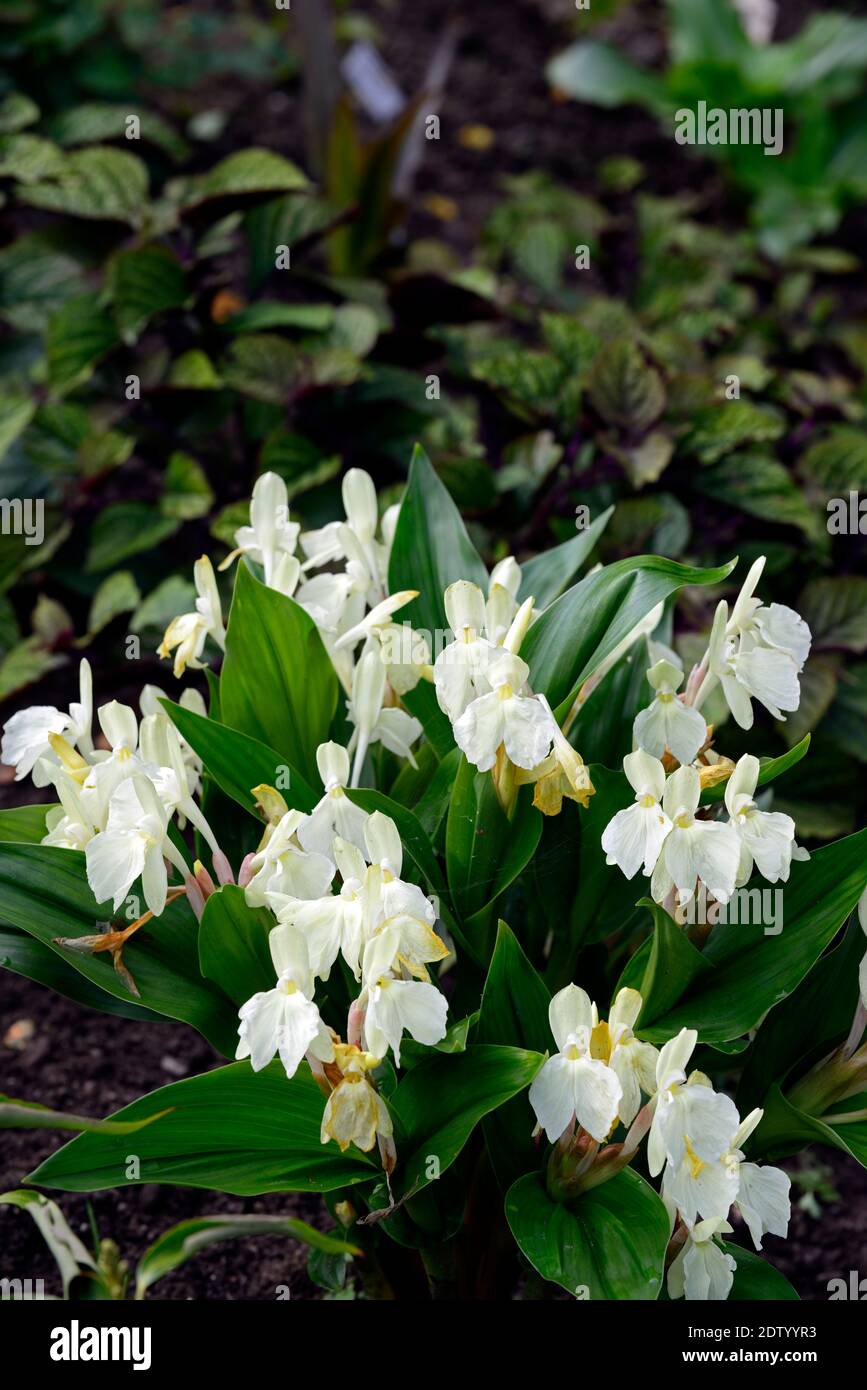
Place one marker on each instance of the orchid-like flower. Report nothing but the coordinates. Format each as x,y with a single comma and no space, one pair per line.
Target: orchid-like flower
757,653
355,1112
284,1021
574,1084
160,745
668,723
502,604
460,670
393,1006
26,735
693,849
271,537
374,721
698,1127
354,539
190,699
334,814
134,843
71,825
519,722
632,1061
701,1270
767,838
562,773
634,837
282,865
186,635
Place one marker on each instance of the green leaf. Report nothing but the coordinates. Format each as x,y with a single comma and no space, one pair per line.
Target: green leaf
671,965
233,945
79,334
827,996
117,594
784,1129
485,851
837,463
431,548
440,1102
24,824
572,638
25,1114
545,577
836,610
17,111
187,494
234,759
98,183
26,956
719,429
244,173
514,1011
124,529
272,313
265,367
44,891
764,488
29,158
194,371
756,1280
94,121
179,1244
754,971
624,388
277,680
142,282
609,1243
230,1130
600,74
70,1255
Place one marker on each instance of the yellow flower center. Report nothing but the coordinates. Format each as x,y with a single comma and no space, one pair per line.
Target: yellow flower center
696,1165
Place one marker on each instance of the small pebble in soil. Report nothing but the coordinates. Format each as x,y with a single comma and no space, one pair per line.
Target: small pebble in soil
18,1034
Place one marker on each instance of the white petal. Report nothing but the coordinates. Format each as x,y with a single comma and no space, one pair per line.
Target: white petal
552,1096
784,628
763,1201
635,837
383,842
115,860
528,731
598,1093
645,774
569,1011
479,731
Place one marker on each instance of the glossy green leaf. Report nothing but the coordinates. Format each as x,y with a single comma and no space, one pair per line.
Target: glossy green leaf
769,770
574,636
485,851
785,1129
44,891
233,759
514,1012
431,548
415,841
546,576
26,956
26,1114
277,683
24,824
439,1103
756,1280
609,1243
230,1130
179,1244
233,945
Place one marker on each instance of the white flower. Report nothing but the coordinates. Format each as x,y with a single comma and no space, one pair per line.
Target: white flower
572,1083
379,617
763,1201
766,837
633,1061
670,1077
668,722
502,604
355,1112
693,849
284,1020
394,1006
698,1127
190,699
375,723
504,716
701,1270
134,843
757,653
354,539
460,670
635,836
281,865
186,635
271,537
562,773
26,734
69,825
335,814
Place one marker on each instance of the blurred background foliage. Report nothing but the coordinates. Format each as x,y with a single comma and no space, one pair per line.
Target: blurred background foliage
341,229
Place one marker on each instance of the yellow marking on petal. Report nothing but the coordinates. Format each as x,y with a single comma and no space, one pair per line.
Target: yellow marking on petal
71,760
600,1043
696,1165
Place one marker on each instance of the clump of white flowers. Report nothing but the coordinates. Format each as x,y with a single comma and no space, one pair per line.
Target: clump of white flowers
594,1083
756,653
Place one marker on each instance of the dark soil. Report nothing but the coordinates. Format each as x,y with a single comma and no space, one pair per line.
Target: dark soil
83,1061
